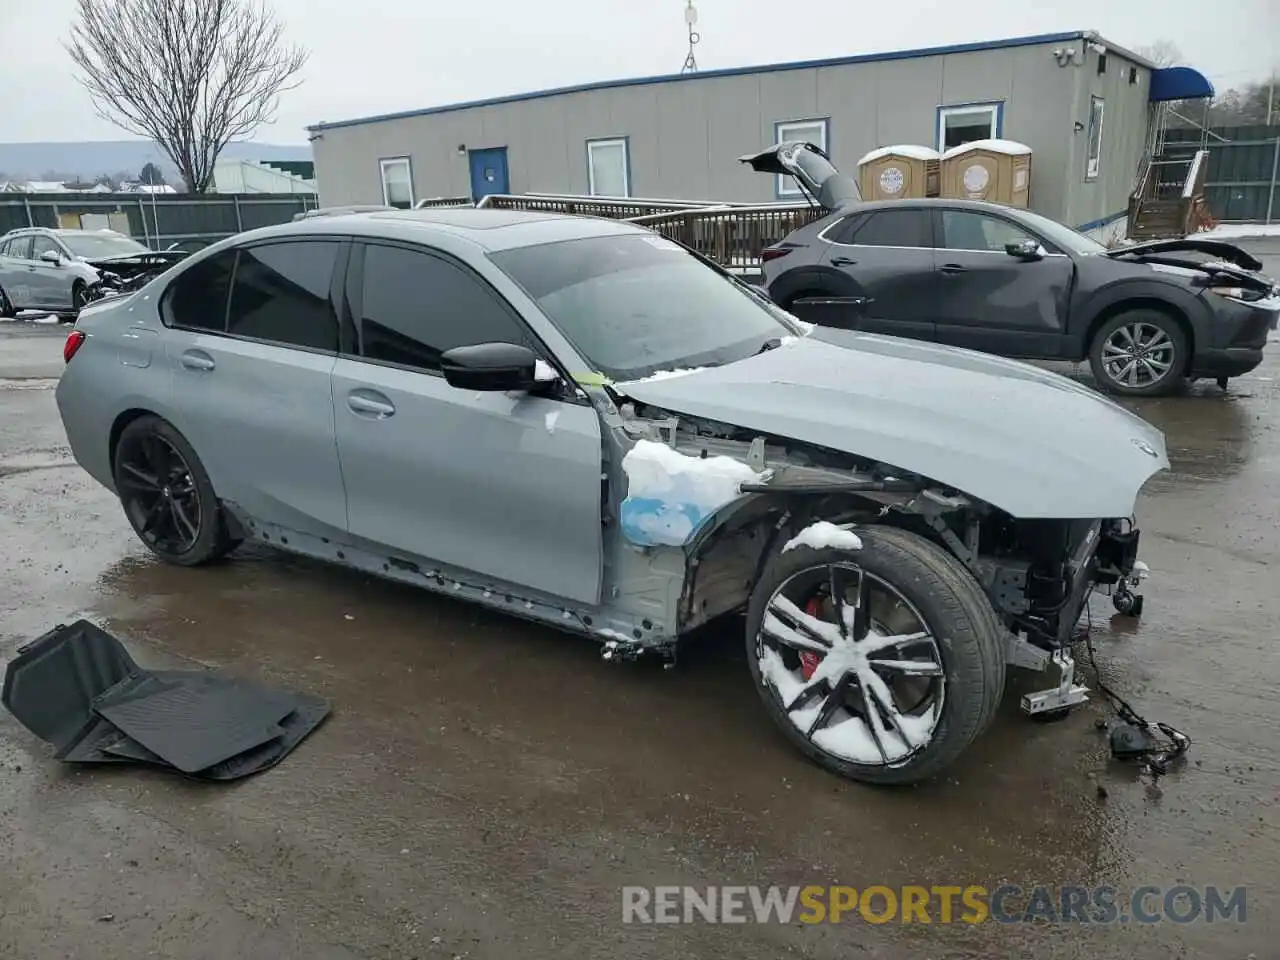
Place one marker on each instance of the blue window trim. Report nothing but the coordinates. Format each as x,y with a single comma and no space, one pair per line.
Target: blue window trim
780,179
938,112
382,179
626,148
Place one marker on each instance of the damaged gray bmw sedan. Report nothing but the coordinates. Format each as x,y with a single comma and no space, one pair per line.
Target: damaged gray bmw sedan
582,423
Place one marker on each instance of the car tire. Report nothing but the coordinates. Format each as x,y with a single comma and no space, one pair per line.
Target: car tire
7,309
79,297
911,580
167,495
1130,349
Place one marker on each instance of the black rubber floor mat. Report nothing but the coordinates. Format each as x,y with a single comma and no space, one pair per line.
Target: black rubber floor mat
191,723
77,688
51,684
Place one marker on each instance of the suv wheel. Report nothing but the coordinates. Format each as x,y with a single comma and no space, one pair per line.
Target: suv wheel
1139,353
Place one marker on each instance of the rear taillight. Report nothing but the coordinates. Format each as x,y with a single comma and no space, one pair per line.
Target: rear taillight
74,339
773,253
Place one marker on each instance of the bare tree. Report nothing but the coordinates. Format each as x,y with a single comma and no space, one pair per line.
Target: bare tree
1163,53
192,75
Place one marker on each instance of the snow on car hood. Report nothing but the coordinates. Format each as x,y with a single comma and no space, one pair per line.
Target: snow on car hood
1030,442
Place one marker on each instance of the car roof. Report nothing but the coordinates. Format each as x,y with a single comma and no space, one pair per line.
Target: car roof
868,206
489,229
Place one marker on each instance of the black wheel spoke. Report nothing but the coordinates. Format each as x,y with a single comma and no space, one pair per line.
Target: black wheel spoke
837,584
140,479
834,701
151,518
871,714
788,624
183,521
862,610
156,455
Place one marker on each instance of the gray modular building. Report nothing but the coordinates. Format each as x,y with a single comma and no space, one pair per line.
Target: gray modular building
1080,103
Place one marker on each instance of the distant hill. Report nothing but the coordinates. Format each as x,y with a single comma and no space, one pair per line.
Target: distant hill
89,159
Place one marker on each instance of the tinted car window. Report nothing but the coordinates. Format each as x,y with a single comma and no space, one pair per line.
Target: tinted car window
843,231
198,297
20,247
967,230
633,304
281,294
416,306
41,245
895,228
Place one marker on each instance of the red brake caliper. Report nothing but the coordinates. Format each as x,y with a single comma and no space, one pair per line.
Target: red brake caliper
808,659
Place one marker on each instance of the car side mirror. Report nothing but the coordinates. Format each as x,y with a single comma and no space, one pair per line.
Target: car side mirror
51,256
1025,249
490,366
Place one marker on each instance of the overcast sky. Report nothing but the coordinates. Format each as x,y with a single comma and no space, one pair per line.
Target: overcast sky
377,56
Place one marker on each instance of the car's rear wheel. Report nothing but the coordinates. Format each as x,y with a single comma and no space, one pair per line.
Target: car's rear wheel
6,305
1139,353
167,495
880,663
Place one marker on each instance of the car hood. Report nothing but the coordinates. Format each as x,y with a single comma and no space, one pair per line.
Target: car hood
132,263
1228,252
1030,442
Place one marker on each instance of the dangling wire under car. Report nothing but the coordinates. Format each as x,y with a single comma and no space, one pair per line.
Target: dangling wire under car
1131,736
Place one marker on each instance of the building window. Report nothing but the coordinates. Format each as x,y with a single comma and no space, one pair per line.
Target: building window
808,131
1093,158
397,182
609,167
967,122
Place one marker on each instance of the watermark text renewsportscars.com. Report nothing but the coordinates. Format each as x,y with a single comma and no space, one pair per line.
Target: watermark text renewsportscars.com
971,904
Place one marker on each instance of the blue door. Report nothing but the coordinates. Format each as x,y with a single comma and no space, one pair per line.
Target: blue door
488,172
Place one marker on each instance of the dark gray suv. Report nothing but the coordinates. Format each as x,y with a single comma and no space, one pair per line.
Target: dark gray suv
1011,282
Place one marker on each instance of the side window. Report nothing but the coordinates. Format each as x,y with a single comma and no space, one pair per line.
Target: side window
966,230
844,231
416,306
197,298
895,228
281,293
20,247
40,245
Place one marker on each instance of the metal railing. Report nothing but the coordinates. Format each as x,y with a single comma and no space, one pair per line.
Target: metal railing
614,208
733,236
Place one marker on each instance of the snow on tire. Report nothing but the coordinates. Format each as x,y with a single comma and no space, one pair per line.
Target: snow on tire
875,652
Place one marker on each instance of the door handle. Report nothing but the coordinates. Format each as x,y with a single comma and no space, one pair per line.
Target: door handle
377,406
843,261
951,269
197,360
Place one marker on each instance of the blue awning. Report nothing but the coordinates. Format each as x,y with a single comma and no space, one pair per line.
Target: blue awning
1179,83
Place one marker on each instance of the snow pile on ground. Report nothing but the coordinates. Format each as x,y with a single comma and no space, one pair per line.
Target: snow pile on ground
670,495
1236,231
824,534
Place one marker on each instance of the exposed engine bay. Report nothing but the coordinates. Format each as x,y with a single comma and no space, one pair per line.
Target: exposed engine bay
119,276
1038,573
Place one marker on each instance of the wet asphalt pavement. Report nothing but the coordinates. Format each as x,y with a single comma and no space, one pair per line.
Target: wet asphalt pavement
485,787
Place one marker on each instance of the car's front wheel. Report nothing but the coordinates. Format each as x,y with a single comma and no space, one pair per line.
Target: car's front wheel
881,662
1139,353
167,495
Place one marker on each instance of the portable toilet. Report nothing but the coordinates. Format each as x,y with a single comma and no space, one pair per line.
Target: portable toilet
898,172
995,170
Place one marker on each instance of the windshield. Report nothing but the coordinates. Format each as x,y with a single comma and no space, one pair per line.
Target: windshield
1064,238
94,245
636,304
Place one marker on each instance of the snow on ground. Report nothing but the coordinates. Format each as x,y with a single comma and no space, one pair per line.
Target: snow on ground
670,494
1234,231
824,534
